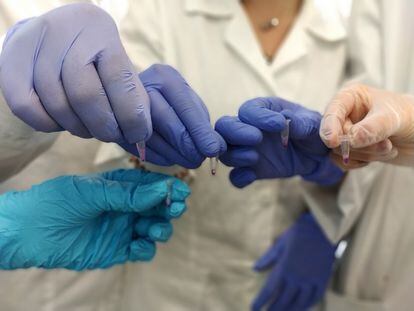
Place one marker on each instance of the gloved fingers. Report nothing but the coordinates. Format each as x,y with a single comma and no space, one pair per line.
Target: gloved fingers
240,156
273,287
350,101
285,298
382,151
169,126
352,164
302,125
154,228
242,177
160,146
374,128
109,195
271,256
316,294
303,300
16,77
87,96
263,113
190,109
236,132
151,156
142,249
47,80
177,189
125,92
175,210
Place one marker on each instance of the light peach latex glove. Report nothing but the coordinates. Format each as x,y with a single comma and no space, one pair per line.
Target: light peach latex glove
380,125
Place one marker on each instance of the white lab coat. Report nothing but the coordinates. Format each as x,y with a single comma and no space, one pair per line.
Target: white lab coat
207,265
377,269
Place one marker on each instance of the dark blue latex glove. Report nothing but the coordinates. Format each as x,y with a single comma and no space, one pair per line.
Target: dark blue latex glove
301,263
182,133
255,148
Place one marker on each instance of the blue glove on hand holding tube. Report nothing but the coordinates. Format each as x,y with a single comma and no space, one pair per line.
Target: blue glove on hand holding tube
89,222
300,264
67,70
255,147
182,132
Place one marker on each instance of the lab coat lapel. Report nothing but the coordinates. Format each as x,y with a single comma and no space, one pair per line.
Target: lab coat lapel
319,21
241,39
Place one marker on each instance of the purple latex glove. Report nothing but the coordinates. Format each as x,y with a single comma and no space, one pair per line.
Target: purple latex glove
300,264
67,70
183,133
255,146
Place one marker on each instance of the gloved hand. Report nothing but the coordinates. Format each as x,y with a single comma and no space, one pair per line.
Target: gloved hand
255,147
67,70
380,124
88,222
182,133
301,263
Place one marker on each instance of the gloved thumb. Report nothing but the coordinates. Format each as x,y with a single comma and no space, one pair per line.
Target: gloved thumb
271,256
374,128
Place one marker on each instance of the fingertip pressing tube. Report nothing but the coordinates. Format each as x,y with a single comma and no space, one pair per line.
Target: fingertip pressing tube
213,165
285,134
141,150
345,148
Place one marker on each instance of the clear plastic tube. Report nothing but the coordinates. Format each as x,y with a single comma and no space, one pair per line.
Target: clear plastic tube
169,194
345,148
284,135
141,150
213,165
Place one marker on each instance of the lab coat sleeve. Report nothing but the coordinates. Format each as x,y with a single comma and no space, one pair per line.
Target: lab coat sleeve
19,143
338,209
141,33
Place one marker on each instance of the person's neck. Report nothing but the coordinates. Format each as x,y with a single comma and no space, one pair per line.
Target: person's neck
269,8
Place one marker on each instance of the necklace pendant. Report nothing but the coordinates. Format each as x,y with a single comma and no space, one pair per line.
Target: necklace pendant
271,24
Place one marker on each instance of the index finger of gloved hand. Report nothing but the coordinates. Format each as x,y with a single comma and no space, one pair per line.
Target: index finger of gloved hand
287,297
151,156
336,113
303,299
240,156
154,228
166,122
160,146
272,288
189,108
125,196
127,95
173,211
241,177
260,112
16,77
142,249
302,125
374,128
177,189
236,132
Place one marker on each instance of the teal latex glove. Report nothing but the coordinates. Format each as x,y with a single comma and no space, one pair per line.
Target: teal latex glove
88,222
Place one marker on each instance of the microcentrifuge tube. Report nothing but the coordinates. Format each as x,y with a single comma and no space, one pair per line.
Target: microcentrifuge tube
169,187
285,134
213,165
141,150
345,148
